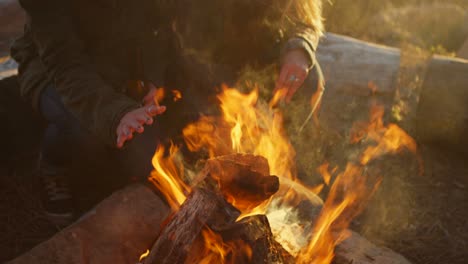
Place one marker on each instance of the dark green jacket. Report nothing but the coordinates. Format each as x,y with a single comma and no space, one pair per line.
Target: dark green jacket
91,49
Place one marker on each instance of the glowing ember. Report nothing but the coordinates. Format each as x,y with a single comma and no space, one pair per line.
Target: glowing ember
217,251
177,95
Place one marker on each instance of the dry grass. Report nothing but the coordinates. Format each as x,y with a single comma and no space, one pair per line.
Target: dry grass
437,26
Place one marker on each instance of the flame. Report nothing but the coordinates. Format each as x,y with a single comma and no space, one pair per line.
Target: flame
353,188
247,126
144,255
346,199
326,175
278,96
216,250
177,95
254,127
207,134
167,177
250,126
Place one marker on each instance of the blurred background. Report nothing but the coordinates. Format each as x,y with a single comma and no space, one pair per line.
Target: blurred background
437,26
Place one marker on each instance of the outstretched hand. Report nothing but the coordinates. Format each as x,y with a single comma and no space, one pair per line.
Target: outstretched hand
293,73
135,120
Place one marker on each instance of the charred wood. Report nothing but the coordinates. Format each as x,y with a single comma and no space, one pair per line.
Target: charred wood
256,232
202,208
242,179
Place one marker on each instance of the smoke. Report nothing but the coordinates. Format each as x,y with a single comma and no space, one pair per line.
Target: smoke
389,214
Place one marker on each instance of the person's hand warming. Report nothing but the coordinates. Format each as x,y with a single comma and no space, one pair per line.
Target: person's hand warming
294,70
135,120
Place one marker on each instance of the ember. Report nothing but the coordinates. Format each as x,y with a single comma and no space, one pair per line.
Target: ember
234,211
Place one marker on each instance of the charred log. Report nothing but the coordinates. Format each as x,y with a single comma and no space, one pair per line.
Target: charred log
256,232
202,208
242,179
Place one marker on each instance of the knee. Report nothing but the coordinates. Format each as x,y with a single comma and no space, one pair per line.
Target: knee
54,111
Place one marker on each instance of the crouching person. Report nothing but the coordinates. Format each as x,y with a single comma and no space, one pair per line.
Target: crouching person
92,69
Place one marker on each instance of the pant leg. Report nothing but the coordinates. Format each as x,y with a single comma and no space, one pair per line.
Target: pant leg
66,144
62,132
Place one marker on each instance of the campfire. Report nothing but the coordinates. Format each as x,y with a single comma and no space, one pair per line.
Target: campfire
247,205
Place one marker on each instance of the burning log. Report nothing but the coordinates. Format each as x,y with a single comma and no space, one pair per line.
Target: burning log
243,180
256,232
240,179
202,208
247,241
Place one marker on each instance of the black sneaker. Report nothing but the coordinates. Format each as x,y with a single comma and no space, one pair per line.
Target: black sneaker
56,195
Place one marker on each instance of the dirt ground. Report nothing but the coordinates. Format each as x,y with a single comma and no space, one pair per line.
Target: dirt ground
424,217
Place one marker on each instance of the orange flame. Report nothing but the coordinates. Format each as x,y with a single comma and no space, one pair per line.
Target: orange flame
215,249
144,255
345,201
167,177
177,95
323,170
352,188
258,129
218,251
254,127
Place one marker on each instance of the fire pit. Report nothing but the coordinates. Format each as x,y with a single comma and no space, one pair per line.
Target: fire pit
245,206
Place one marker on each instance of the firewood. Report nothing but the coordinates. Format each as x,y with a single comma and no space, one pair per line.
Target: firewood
357,250
202,208
243,179
249,241
256,232
240,179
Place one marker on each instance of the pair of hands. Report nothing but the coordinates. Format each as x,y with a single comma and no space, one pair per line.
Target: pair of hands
294,70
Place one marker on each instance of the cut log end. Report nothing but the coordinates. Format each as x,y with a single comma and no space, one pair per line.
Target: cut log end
243,179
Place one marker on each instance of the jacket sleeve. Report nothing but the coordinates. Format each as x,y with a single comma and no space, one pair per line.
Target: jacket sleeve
305,38
95,103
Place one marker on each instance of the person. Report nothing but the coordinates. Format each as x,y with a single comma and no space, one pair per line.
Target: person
91,68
